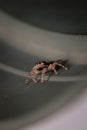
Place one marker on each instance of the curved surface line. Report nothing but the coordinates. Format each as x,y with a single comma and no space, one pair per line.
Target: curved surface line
36,41
13,70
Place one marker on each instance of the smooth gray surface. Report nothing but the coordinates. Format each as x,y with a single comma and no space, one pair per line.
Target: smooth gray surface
21,45
16,100
56,16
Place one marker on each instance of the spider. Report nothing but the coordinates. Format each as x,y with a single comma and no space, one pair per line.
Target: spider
43,67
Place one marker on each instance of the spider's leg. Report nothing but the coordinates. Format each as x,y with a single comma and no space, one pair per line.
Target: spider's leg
65,67
62,66
39,77
42,78
32,77
27,80
55,71
48,77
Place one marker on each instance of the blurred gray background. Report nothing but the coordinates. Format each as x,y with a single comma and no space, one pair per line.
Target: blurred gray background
35,31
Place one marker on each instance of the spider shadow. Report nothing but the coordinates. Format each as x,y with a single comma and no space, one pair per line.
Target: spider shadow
28,82
52,74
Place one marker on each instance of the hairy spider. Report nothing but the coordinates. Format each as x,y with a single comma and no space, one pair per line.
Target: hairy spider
43,67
